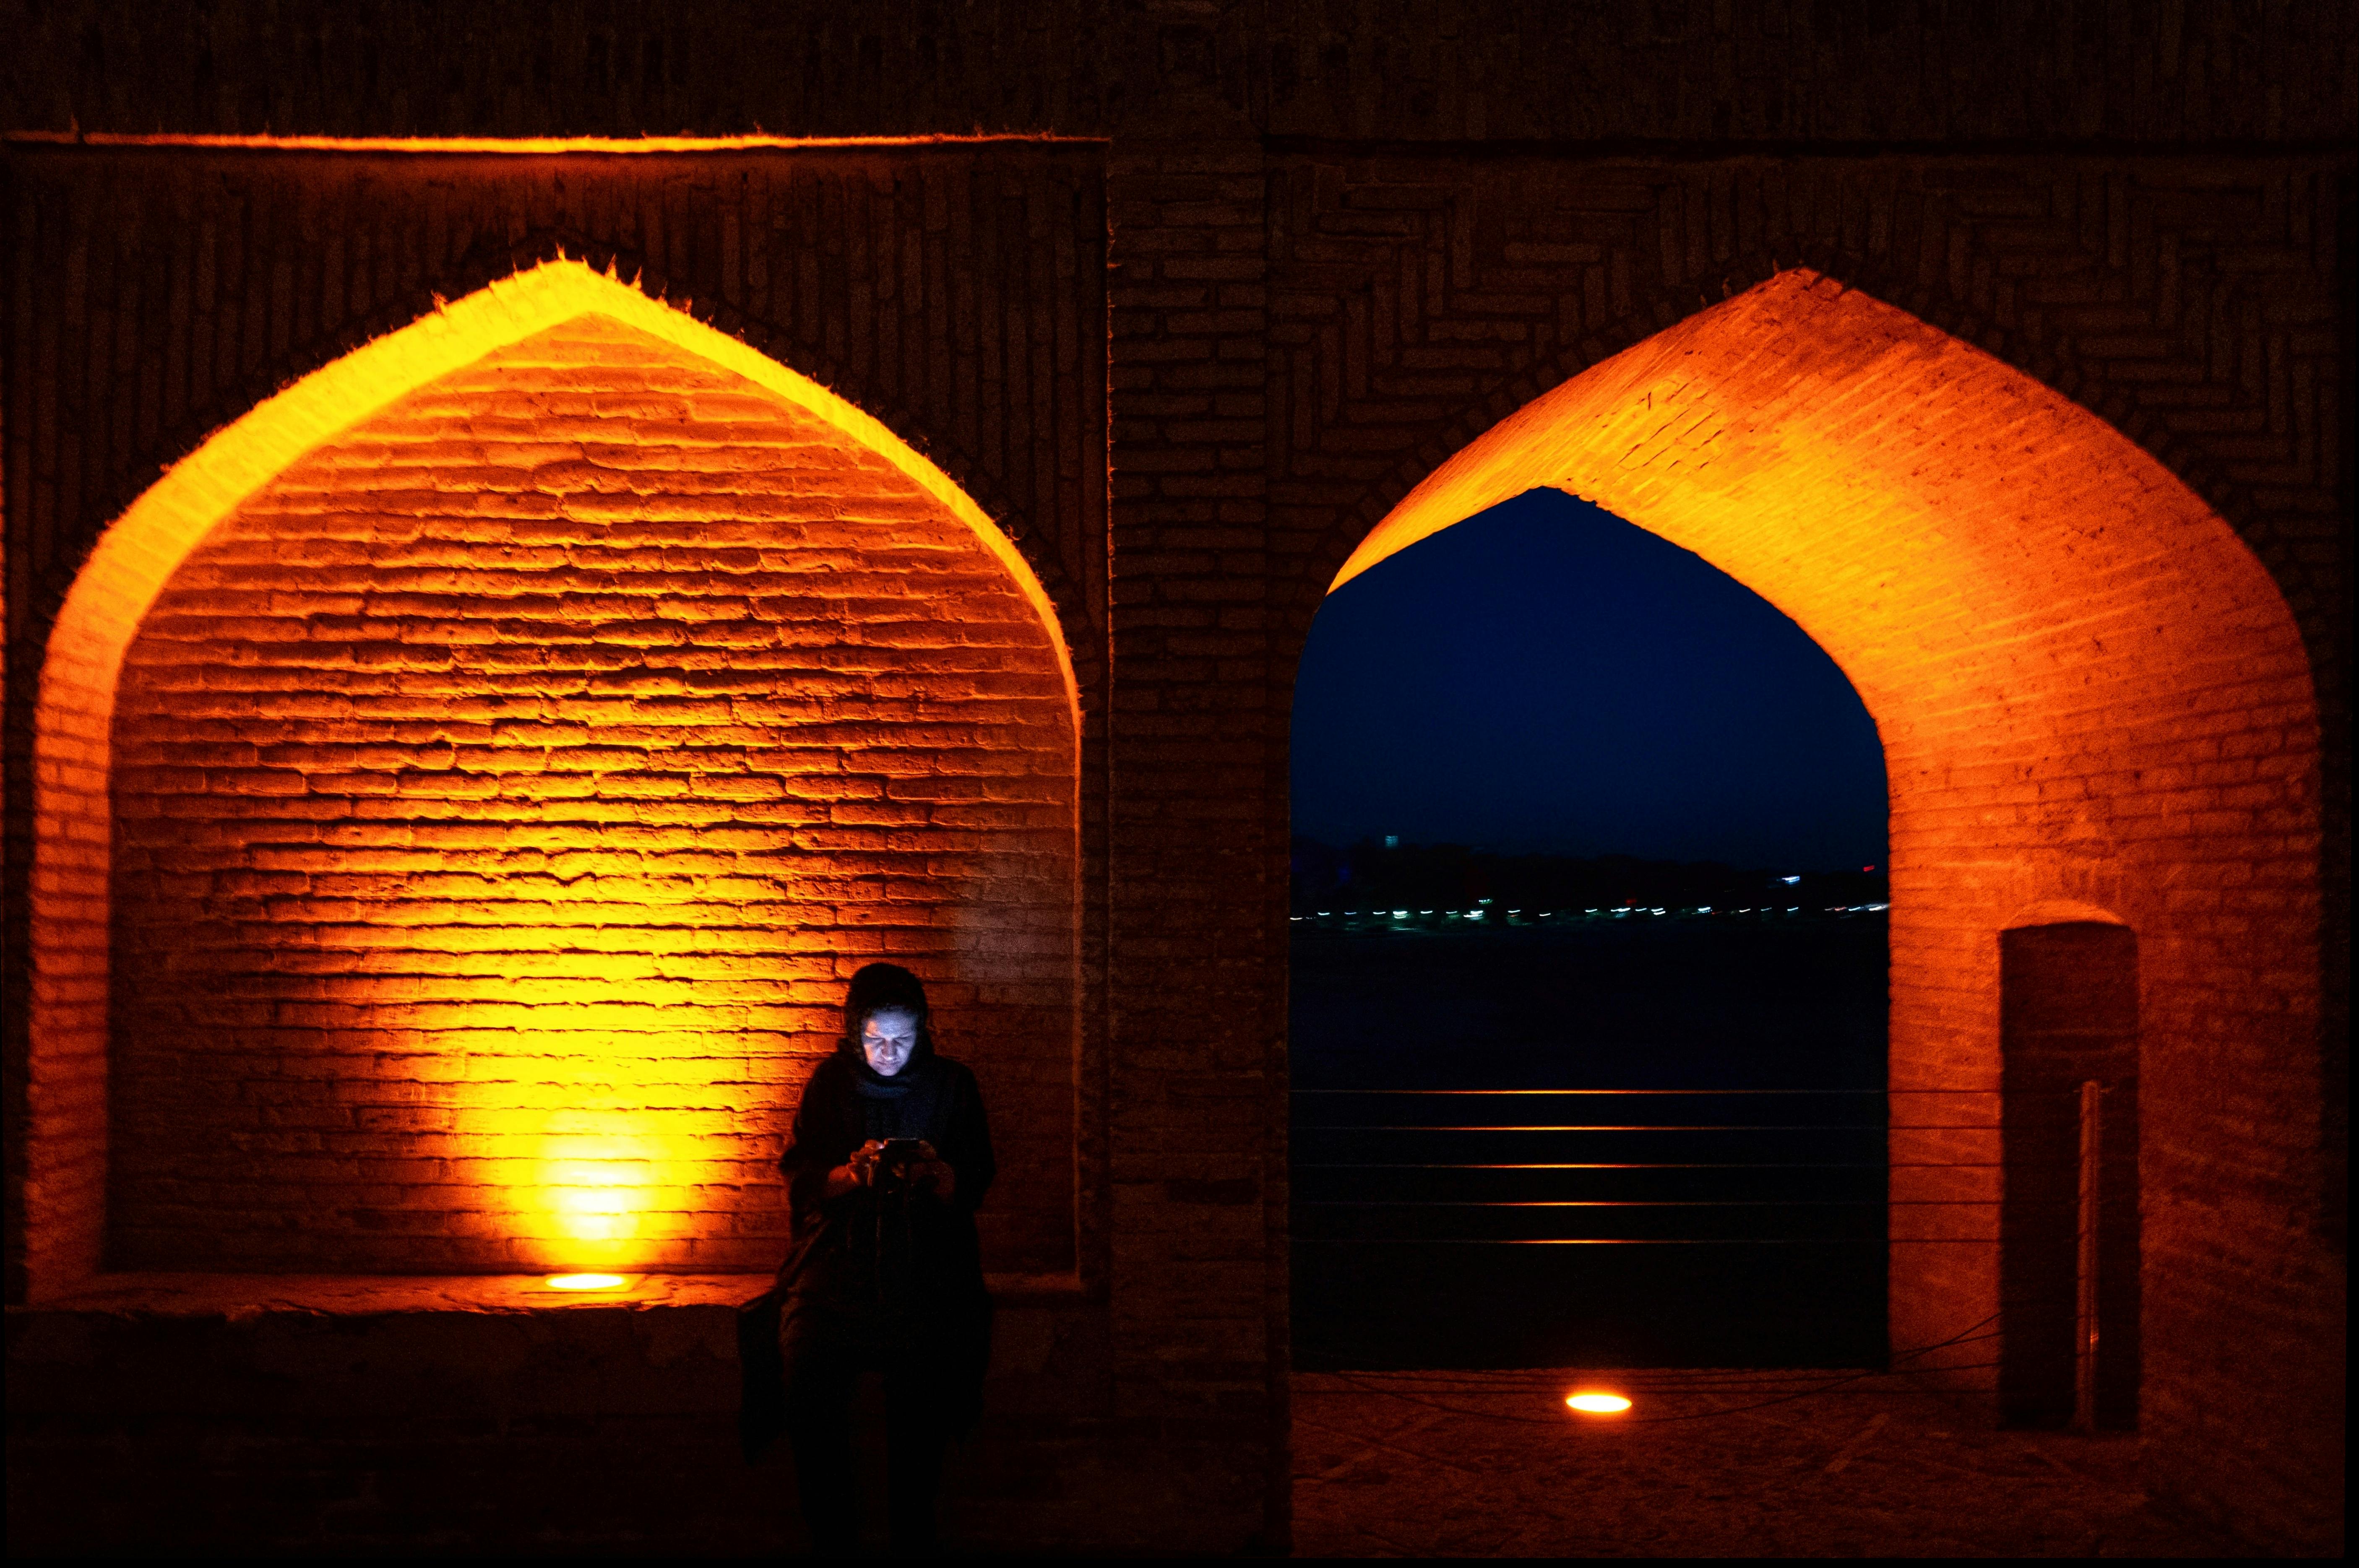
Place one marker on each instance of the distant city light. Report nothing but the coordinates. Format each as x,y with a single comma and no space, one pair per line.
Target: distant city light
1789,881
1598,1403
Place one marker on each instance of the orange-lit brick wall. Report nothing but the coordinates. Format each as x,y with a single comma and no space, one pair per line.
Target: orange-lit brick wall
1188,368
502,795
2094,703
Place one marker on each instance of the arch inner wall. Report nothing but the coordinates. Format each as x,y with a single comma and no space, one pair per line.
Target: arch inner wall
2089,693
844,612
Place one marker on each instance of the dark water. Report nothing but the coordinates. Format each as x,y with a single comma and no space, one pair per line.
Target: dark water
1753,1231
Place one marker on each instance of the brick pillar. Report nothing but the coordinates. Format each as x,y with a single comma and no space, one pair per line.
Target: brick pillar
1196,954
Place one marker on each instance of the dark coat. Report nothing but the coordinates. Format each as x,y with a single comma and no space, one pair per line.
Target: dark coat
873,1250
870,1265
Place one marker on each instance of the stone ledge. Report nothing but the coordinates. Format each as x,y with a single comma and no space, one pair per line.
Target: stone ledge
243,1296
278,1412
271,1347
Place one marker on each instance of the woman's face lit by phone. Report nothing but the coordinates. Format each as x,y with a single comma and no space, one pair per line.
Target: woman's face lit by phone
886,1038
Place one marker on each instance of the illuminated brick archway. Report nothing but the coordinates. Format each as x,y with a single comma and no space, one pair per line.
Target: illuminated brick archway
557,354
2091,696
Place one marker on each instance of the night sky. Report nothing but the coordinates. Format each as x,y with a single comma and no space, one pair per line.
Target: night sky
1545,678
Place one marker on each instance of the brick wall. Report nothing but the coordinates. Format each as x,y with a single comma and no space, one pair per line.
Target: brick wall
1469,70
1196,928
1378,234
923,285
503,795
2088,692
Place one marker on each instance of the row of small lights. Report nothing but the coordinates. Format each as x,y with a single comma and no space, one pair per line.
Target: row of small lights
1594,1401
1551,915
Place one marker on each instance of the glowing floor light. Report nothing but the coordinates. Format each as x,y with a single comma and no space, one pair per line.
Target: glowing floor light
1598,1404
585,1282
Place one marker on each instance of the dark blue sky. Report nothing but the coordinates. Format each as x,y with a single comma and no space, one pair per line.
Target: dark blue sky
1545,676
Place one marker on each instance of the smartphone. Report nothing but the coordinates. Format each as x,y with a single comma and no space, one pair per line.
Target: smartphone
900,1152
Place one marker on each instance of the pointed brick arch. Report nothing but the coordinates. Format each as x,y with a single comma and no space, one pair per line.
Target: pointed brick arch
103,612
2091,695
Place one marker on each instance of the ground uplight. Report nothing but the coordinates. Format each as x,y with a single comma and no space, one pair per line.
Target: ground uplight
585,1282
1598,1404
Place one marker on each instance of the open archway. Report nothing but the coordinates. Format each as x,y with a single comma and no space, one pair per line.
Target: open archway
2089,693
358,789
1629,925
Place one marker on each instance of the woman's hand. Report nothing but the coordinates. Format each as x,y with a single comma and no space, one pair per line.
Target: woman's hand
858,1172
934,1173
929,1171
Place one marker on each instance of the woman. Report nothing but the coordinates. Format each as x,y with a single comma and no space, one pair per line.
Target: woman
889,1156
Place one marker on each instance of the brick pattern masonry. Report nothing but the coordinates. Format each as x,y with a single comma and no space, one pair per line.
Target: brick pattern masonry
552,746
1318,252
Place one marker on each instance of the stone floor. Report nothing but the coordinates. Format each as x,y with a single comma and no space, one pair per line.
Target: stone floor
1491,1464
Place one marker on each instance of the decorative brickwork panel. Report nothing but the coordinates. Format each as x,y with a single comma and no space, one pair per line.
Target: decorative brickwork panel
1418,300
504,795
1577,70
946,290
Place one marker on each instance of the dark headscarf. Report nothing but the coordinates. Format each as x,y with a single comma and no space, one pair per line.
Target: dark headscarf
846,1258
886,987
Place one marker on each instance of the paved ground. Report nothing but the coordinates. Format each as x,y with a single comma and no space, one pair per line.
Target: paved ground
1490,1465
